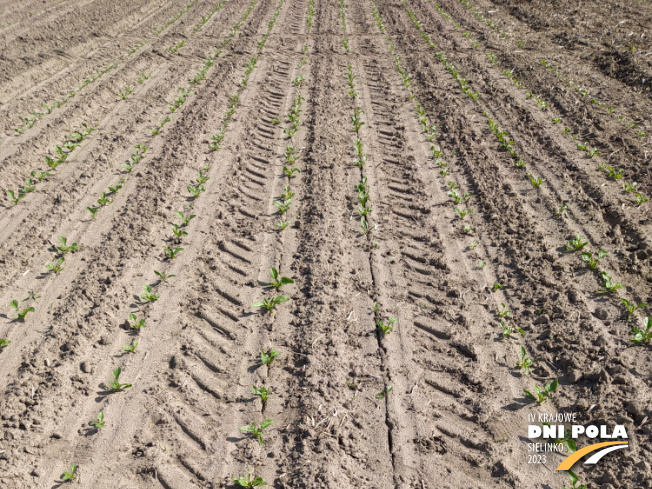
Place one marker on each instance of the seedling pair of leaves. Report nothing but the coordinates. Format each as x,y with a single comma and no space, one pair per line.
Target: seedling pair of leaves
270,304
267,358
283,207
63,248
136,323
277,282
186,219
163,276
69,476
249,482
525,363
365,227
99,423
257,431
642,336
57,266
21,313
115,384
4,342
609,286
148,296
132,347
576,244
507,330
593,261
542,395
263,393
387,328
171,253
632,307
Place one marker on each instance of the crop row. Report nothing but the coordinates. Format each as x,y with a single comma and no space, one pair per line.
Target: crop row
53,105
507,143
641,335
150,293
611,173
538,394
185,92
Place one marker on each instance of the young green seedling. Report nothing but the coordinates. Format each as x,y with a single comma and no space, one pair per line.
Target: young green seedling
384,394
163,276
535,181
178,232
257,431
462,213
542,395
574,480
69,476
357,120
287,195
504,313
631,188
507,330
115,384
4,342
525,362
186,219
289,172
201,178
136,324
55,267
632,307
277,282
640,199
497,286
365,227
282,224
99,423
196,191
64,248
93,212
576,244
33,296
268,358
609,287
592,261
249,482
642,336
13,198
263,393
270,304
132,347
284,206
387,328
104,200
148,296
171,253
21,313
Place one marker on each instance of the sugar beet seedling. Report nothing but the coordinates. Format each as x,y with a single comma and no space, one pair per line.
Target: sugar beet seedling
115,385
277,282
21,313
257,431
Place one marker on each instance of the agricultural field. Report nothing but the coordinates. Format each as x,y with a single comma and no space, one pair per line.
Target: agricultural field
324,243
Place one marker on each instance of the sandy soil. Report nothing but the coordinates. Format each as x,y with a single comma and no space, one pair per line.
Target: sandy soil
215,97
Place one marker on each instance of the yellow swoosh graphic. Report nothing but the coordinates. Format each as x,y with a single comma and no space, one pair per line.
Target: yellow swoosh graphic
571,459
